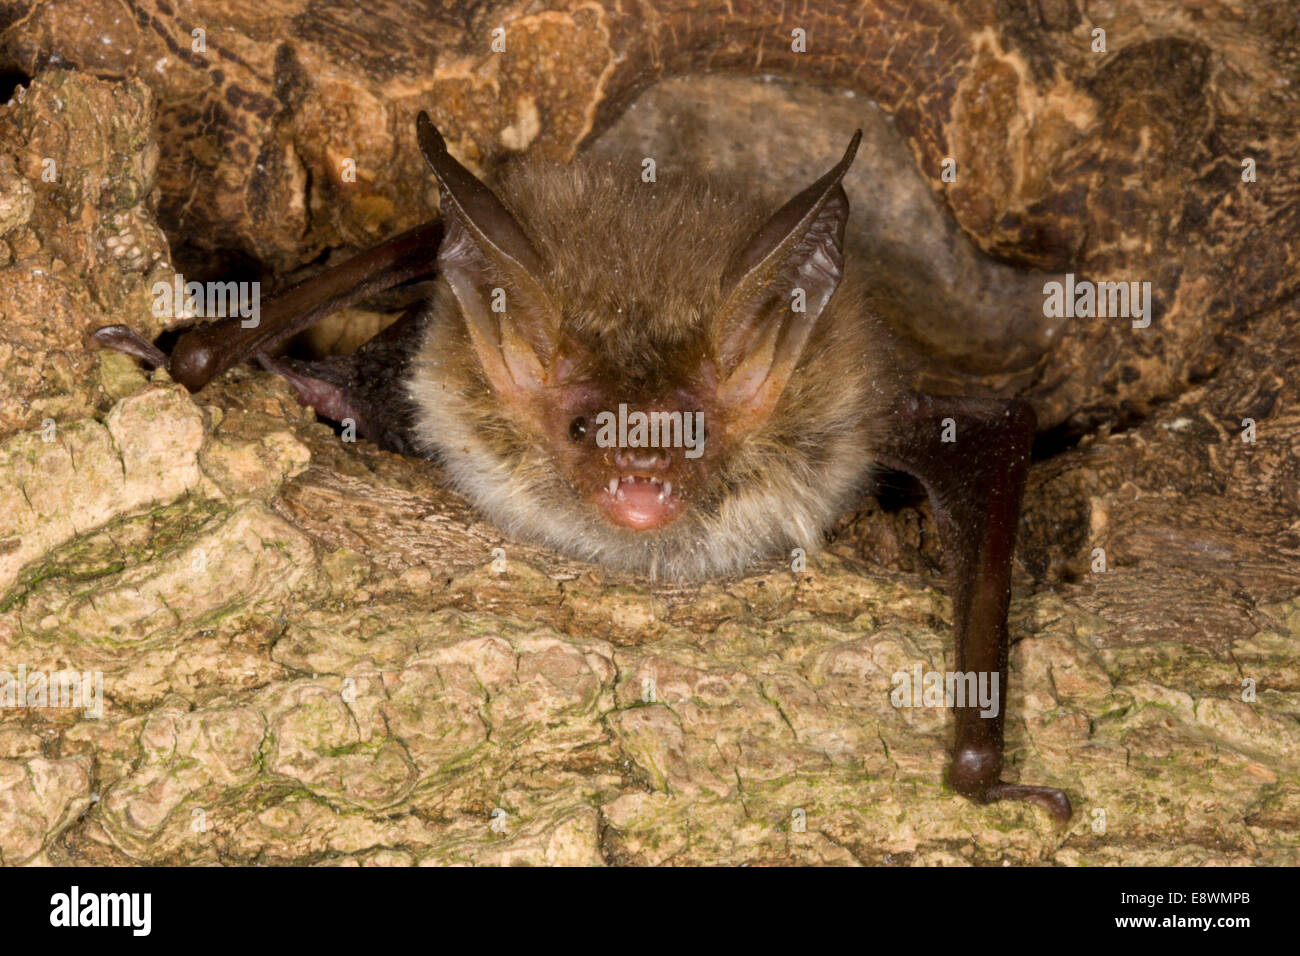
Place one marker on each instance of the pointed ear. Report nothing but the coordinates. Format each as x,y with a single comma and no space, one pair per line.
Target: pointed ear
780,281
492,269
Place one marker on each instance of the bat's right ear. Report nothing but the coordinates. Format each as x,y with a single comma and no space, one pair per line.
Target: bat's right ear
493,269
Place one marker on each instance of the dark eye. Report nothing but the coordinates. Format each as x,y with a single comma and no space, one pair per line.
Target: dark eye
578,428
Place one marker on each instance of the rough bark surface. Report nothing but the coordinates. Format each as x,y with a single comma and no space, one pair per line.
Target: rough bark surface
313,653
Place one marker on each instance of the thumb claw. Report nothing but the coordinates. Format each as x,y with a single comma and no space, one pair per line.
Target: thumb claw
126,340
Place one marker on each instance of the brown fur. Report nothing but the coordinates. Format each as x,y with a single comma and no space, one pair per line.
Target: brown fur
635,272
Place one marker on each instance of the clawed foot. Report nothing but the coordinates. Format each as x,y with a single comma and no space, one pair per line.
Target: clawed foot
974,774
1050,799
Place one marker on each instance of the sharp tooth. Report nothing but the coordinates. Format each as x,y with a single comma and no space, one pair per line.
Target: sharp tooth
613,486
668,489
656,481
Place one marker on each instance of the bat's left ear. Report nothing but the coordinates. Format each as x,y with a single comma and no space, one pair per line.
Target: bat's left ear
779,282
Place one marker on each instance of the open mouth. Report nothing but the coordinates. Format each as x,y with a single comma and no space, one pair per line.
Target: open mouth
640,502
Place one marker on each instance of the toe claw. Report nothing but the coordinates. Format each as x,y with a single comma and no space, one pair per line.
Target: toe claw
1050,799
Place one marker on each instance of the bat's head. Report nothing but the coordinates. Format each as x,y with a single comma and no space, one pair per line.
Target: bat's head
648,375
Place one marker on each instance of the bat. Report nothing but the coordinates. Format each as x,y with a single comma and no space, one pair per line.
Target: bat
660,378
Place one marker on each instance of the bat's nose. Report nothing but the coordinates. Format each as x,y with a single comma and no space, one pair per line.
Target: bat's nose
641,460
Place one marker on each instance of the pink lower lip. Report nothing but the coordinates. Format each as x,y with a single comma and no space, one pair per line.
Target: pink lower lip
640,505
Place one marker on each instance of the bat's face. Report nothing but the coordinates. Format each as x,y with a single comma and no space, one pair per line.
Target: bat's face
640,457
648,376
